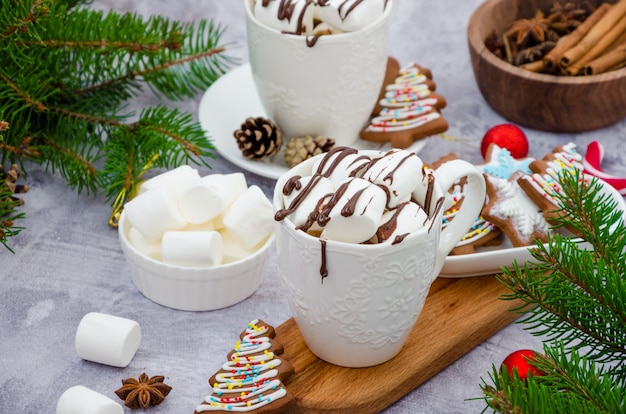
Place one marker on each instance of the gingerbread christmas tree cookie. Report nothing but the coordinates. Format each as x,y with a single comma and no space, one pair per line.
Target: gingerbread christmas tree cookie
408,108
252,378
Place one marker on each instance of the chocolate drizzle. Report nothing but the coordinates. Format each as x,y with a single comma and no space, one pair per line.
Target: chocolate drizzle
354,5
387,229
322,172
312,40
323,268
429,193
293,183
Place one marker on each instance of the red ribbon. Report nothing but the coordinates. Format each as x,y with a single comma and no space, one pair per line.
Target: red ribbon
593,165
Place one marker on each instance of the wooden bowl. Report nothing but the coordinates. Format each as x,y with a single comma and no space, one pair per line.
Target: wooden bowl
535,100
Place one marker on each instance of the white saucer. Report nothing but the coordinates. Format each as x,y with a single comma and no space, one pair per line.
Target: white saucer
227,104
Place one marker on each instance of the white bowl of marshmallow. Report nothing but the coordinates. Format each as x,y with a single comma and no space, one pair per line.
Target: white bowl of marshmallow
196,243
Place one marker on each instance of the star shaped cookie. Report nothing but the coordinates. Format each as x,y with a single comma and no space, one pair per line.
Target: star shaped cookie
513,211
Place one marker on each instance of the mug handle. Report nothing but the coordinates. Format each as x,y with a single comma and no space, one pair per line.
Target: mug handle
445,176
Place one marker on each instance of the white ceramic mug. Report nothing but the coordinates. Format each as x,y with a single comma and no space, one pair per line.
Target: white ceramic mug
363,311
327,89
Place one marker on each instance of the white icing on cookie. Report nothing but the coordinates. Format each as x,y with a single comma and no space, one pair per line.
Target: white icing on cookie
512,204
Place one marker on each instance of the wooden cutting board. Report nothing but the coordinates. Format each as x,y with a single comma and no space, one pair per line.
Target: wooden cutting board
458,315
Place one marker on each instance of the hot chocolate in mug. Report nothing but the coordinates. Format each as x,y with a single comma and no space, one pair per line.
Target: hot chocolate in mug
317,85
356,303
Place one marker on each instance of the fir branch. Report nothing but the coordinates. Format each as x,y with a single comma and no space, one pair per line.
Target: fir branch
568,383
68,73
8,215
573,292
8,203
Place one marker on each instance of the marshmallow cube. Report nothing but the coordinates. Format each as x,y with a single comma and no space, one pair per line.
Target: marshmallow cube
320,187
209,196
154,212
348,166
234,250
107,339
176,180
146,247
428,188
399,171
348,16
407,218
192,248
358,212
250,218
82,400
206,226
269,15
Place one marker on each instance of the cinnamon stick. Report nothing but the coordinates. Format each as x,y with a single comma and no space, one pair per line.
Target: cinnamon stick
537,66
599,48
553,58
597,32
608,61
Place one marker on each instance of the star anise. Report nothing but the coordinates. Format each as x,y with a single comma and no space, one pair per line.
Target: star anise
143,392
565,17
526,30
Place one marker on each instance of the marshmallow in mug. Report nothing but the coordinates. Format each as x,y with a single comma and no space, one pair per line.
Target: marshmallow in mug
350,15
296,19
374,204
307,17
354,213
82,400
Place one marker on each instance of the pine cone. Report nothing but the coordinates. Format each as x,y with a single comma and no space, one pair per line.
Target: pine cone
259,138
299,149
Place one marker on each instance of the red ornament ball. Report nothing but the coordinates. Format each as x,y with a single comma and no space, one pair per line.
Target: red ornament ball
506,136
518,362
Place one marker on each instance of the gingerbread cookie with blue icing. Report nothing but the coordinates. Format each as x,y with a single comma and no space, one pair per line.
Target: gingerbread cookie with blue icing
500,163
408,108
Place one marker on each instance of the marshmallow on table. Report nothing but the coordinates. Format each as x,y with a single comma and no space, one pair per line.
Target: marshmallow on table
107,339
316,188
154,212
82,400
192,248
407,218
399,171
351,15
150,248
209,196
250,217
176,180
301,13
355,212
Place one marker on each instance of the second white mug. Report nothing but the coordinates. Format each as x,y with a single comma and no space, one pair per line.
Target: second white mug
328,88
